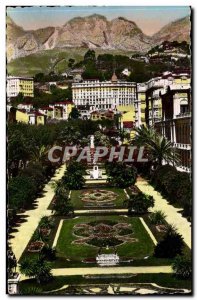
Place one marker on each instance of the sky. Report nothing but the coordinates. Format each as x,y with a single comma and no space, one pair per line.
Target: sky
149,18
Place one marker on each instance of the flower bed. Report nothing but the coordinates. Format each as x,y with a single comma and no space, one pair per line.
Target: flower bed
35,246
103,234
98,198
45,231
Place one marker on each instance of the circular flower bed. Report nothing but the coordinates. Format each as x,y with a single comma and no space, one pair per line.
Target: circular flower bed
103,233
98,198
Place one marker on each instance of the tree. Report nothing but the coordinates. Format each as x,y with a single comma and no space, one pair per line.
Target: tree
120,175
71,62
140,203
158,147
182,267
74,181
90,56
36,268
21,192
171,244
74,114
69,135
62,204
18,152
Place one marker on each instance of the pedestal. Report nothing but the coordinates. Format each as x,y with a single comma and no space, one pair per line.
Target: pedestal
13,288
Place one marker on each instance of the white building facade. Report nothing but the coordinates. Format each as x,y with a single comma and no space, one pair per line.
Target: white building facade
105,94
16,85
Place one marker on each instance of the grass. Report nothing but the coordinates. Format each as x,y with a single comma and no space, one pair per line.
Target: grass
164,280
137,250
78,204
51,60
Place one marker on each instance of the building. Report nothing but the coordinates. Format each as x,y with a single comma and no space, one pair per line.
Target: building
23,85
140,105
104,94
102,115
61,110
175,124
127,119
36,118
154,88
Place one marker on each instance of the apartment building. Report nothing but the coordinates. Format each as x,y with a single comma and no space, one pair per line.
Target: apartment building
140,105
154,88
105,94
175,124
16,85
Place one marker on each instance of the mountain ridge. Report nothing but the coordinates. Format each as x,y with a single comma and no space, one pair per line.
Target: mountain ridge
94,31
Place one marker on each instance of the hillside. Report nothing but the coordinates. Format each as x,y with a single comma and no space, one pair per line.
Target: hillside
30,52
176,31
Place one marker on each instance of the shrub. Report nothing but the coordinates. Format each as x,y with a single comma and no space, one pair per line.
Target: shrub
48,253
170,246
140,203
157,217
175,186
120,174
36,268
182,267
21,192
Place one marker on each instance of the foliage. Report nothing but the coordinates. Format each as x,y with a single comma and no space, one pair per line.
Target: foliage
182,267
62,205
74,114
158,147
48,253
175,186
36,268
120,175
140,203
157,217
21,192
170,246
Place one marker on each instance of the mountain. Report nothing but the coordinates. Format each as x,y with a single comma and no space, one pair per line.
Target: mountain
175,31
95,32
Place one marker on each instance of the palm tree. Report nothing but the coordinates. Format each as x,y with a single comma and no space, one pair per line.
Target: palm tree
36,268
158,147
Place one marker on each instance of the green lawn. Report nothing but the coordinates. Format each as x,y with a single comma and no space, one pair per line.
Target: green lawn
136,250
116,203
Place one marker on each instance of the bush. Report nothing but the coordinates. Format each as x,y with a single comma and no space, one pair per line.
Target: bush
140,203
157,217
21,192
62,204
175,186
170,246
36,268
182,267
120,174
48,253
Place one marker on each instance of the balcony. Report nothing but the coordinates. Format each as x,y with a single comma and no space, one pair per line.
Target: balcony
183,115
182,146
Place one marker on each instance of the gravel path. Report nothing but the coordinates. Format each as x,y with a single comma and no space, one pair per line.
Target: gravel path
25,230
173,216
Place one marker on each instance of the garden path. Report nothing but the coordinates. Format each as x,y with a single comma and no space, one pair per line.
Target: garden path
112,270
108,270
173,215
25,230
